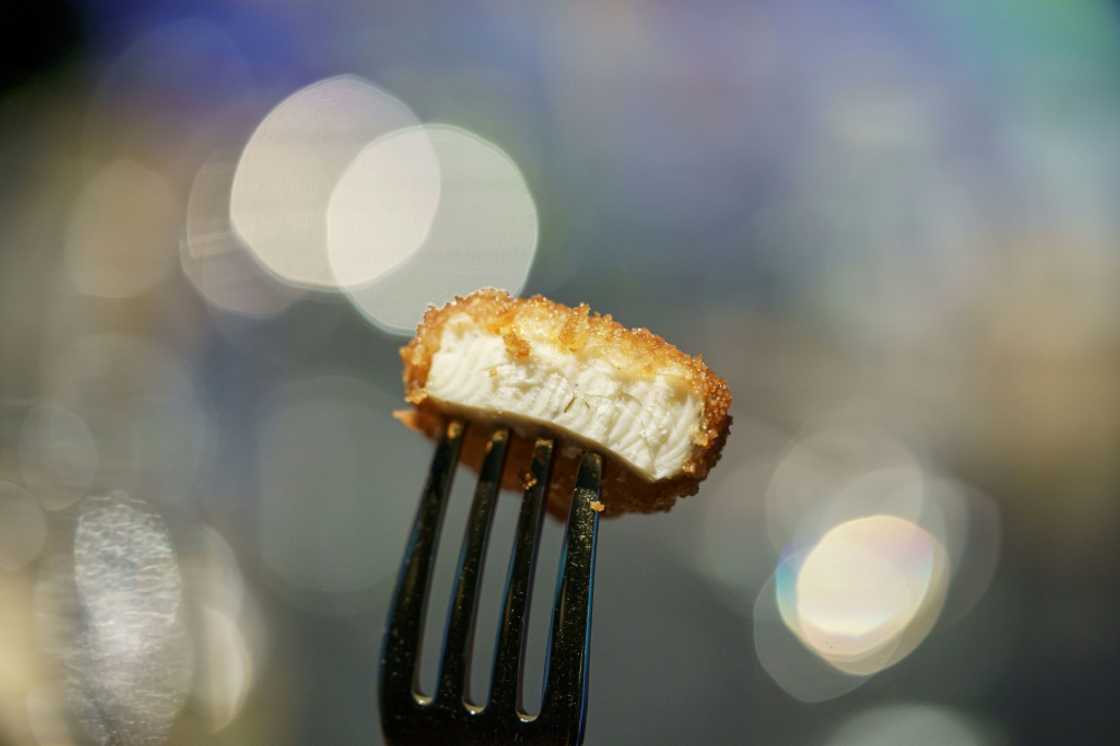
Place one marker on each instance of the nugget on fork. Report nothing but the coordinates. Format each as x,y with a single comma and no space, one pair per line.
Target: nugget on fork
658,416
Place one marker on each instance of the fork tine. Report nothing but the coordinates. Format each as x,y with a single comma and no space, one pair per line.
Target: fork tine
401,647
505,696
564,704
455,664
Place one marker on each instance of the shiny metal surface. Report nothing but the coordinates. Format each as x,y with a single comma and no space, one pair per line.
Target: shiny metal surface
409,717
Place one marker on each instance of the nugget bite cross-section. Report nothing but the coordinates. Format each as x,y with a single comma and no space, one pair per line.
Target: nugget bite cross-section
659,416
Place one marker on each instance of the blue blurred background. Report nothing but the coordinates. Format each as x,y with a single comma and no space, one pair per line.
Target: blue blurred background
890,225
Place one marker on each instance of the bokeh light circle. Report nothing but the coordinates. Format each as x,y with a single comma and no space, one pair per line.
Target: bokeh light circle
225,667
325,511
876,547
133,659
213,573
484,233
799,672
291,165
818,466
215,261
169,80
122,232
859,601
139,402
382,208
229,635
822,465
58,455
867,593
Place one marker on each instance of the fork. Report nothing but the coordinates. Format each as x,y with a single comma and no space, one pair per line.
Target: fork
448,716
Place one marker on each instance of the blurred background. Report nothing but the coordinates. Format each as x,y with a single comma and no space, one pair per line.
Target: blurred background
891,226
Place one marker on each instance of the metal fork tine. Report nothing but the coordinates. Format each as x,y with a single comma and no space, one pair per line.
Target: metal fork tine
505,692
455,664
401,648
564,703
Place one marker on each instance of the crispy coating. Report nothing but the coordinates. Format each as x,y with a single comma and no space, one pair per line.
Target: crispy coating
636,352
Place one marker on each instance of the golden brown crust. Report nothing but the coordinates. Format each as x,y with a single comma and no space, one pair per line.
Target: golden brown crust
638,352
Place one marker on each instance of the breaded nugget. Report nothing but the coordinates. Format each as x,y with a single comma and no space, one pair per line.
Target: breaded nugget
657,415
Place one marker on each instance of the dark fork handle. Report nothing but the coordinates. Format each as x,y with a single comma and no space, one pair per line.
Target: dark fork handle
408,717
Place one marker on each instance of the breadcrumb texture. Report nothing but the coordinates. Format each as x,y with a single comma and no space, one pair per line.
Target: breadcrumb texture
633,352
